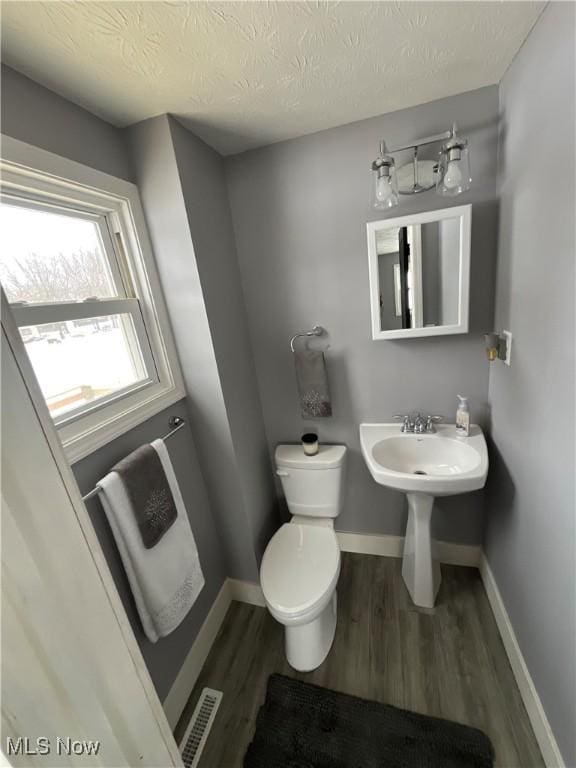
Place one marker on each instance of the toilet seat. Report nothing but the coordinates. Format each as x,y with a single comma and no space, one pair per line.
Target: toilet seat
299,570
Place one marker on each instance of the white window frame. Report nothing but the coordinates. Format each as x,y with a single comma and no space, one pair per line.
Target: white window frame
32,177
123,302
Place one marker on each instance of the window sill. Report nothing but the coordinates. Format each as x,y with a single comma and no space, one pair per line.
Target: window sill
86,435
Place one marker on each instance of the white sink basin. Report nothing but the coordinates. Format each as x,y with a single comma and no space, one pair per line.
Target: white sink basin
424,466
440,464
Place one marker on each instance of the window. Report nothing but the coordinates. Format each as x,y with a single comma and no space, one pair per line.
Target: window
84,335
80,292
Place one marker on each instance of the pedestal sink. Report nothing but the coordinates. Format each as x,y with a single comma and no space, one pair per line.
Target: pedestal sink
424,466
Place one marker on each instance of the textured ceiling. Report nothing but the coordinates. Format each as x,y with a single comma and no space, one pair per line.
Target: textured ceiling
244,74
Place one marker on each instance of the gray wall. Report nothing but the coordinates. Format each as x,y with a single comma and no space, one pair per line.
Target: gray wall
36,115
205,192
530,537
184,195
165,657
300,209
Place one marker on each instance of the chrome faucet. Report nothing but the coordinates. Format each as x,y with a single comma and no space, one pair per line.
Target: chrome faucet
418,423
407,421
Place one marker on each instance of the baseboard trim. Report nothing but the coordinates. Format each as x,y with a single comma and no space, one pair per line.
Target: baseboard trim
370,543
182,687
232,589
392,546
246,592
540,725
450,553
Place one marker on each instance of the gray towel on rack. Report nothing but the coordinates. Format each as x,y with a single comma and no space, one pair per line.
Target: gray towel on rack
149,493
312,384
167,578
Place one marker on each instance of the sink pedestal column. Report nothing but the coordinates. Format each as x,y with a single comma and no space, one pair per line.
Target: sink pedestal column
420,571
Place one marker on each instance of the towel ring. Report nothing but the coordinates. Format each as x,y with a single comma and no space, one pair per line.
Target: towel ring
316,331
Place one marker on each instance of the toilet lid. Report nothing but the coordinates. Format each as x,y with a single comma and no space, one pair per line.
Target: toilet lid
300,565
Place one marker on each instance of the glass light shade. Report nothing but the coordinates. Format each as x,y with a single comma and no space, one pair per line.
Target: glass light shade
454,169
384,184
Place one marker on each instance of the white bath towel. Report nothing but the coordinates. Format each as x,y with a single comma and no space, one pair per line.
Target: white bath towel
166,579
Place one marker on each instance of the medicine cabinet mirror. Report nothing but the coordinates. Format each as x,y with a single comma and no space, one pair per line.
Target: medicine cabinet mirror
420,273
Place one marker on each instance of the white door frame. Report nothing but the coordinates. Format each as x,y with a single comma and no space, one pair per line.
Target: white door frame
71,666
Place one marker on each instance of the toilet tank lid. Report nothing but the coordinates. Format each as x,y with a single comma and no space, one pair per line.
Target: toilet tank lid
328,457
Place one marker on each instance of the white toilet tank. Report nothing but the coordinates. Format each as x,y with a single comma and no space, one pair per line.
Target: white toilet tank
312,484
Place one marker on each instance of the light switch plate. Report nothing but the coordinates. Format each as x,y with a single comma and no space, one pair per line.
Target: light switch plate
507,336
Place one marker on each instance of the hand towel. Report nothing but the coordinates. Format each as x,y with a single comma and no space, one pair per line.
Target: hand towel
167,578
312,382
148,492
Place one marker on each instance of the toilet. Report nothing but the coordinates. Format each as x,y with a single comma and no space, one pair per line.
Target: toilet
301,564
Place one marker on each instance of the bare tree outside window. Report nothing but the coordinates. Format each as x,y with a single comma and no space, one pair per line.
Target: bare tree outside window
48,257
61,277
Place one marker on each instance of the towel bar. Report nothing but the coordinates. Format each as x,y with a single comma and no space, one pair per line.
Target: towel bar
316,331
174,422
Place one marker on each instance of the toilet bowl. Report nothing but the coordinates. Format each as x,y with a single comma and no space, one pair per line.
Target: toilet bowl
301,564
299,573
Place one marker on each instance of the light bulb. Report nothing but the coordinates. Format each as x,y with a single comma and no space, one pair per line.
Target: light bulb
453,175
384,192
383,189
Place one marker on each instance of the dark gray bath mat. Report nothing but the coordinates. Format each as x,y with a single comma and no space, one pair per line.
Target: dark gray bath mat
303,726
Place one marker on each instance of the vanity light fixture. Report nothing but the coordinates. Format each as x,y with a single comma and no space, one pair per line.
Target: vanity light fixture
450,174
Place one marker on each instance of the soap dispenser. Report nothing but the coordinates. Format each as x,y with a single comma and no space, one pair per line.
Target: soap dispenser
463,417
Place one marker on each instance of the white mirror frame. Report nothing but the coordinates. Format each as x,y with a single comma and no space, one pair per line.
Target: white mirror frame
464,213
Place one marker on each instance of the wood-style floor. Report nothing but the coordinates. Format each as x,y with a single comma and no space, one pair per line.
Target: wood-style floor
448,661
